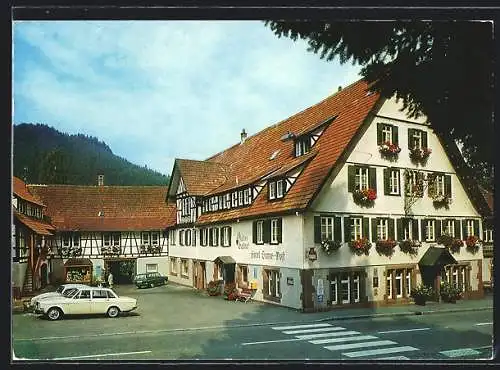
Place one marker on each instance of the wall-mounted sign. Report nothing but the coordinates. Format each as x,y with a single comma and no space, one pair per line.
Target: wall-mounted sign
289,280
263,255
320,298
242,241
311,254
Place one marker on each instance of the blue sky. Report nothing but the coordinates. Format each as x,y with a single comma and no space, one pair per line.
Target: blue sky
159,90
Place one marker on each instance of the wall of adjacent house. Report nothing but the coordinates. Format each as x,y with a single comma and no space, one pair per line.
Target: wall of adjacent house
161,262
18,274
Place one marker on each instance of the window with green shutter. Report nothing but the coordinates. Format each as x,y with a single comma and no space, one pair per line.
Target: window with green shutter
392,181
387,133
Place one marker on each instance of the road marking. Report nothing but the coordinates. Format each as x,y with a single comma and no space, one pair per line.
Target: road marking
381,351
342,339
484,323
99,355
401,331
319,330
340,347
272,341
460,352
393,358
326,335
300,326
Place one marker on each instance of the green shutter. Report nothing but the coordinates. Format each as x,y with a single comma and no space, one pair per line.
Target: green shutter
372,178
422,227
387,173
424,139
229,235
400,228
476,228
414,229
266,231
347,229
379,133
337,229
410,134
391,222
351,178
437,225
366,228
447,185
395,138
464,229
254,232
317,229
210,238
457,228
194,238
280,226
374,229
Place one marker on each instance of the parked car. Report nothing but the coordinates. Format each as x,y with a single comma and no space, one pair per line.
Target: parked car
150,279
30,305
85,300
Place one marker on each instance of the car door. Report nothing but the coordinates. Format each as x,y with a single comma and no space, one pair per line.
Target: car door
80,304
100,301
157,278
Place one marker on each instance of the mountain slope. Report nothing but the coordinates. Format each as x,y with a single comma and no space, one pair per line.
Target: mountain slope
46,156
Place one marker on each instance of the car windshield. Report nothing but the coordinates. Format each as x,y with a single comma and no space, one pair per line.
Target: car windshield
140,276
70,292
60,289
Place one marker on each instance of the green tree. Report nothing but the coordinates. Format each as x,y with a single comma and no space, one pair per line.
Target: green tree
54,167
440,69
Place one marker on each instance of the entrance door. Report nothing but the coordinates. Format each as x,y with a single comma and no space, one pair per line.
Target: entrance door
229,269
43,275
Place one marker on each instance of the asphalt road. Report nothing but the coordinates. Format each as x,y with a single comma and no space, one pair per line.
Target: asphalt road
443,336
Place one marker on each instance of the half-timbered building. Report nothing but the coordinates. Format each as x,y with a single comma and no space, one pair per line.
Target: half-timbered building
349,202
31,240
106,228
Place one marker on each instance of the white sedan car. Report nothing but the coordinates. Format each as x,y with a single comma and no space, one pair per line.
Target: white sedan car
86,300
29,305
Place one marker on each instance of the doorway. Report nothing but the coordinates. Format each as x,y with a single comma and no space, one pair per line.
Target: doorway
123,270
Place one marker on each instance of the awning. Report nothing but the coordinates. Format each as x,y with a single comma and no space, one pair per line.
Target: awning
38,227
78,262
435,256
226,260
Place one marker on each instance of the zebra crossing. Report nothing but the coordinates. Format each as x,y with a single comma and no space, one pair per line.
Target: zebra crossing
349,343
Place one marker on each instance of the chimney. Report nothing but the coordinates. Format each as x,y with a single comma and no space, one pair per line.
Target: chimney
243,136
339,89
100,180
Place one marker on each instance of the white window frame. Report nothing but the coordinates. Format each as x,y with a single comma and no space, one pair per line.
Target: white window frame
145,240
204,237
399,277
388,284
408,282
225,236
470,228
462,272
173,265
383,229
227,200
182,239
274,279
454,277
272,189
215,235
440,185
417,139
488,235
279,188
361,178
246,196
221,201
234,198
172,234
260,232
106,239
387,133
187,237
449,227
356,286
348,281
326,228
430,226
240,197
394,182
155,238
334,288
357,227
407,229
274,231
151,267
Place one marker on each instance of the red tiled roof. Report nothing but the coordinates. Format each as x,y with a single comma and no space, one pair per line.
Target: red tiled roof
200,177
20,190
124,208
351,105
39,227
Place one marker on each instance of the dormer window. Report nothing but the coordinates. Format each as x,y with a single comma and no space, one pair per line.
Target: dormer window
272,190
302,145
227,200
240,197
276,189
279,189
234,197
246,196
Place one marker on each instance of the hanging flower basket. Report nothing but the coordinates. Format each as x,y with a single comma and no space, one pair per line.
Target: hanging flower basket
410,246
472,244
450,242
441,200
420,154
364,198
330,246
360,246
389,151
385,247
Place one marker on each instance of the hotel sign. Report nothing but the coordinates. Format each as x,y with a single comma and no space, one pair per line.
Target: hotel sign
263,255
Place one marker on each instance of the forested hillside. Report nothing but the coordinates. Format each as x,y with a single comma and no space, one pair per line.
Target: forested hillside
44,155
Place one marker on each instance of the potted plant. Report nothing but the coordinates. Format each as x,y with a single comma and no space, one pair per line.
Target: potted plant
388,150
409,246
422,294
385,247
365,198
449,293
360,246
472,244
213,288
230,291
330,246
420,154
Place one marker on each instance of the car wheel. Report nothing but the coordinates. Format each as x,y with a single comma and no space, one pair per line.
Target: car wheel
54,313
152,285
113,312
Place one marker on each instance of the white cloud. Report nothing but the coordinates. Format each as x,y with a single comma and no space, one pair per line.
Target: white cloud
154,91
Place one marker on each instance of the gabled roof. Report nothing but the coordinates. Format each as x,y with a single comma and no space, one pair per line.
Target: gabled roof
20,190
38,226
122,208
350,107
200,177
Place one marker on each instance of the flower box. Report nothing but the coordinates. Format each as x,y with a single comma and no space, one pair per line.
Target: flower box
388,150
450,242
330,246
364,197
420,154
422,294
360,246
409,246
441,200
472,244
385,247
449,293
